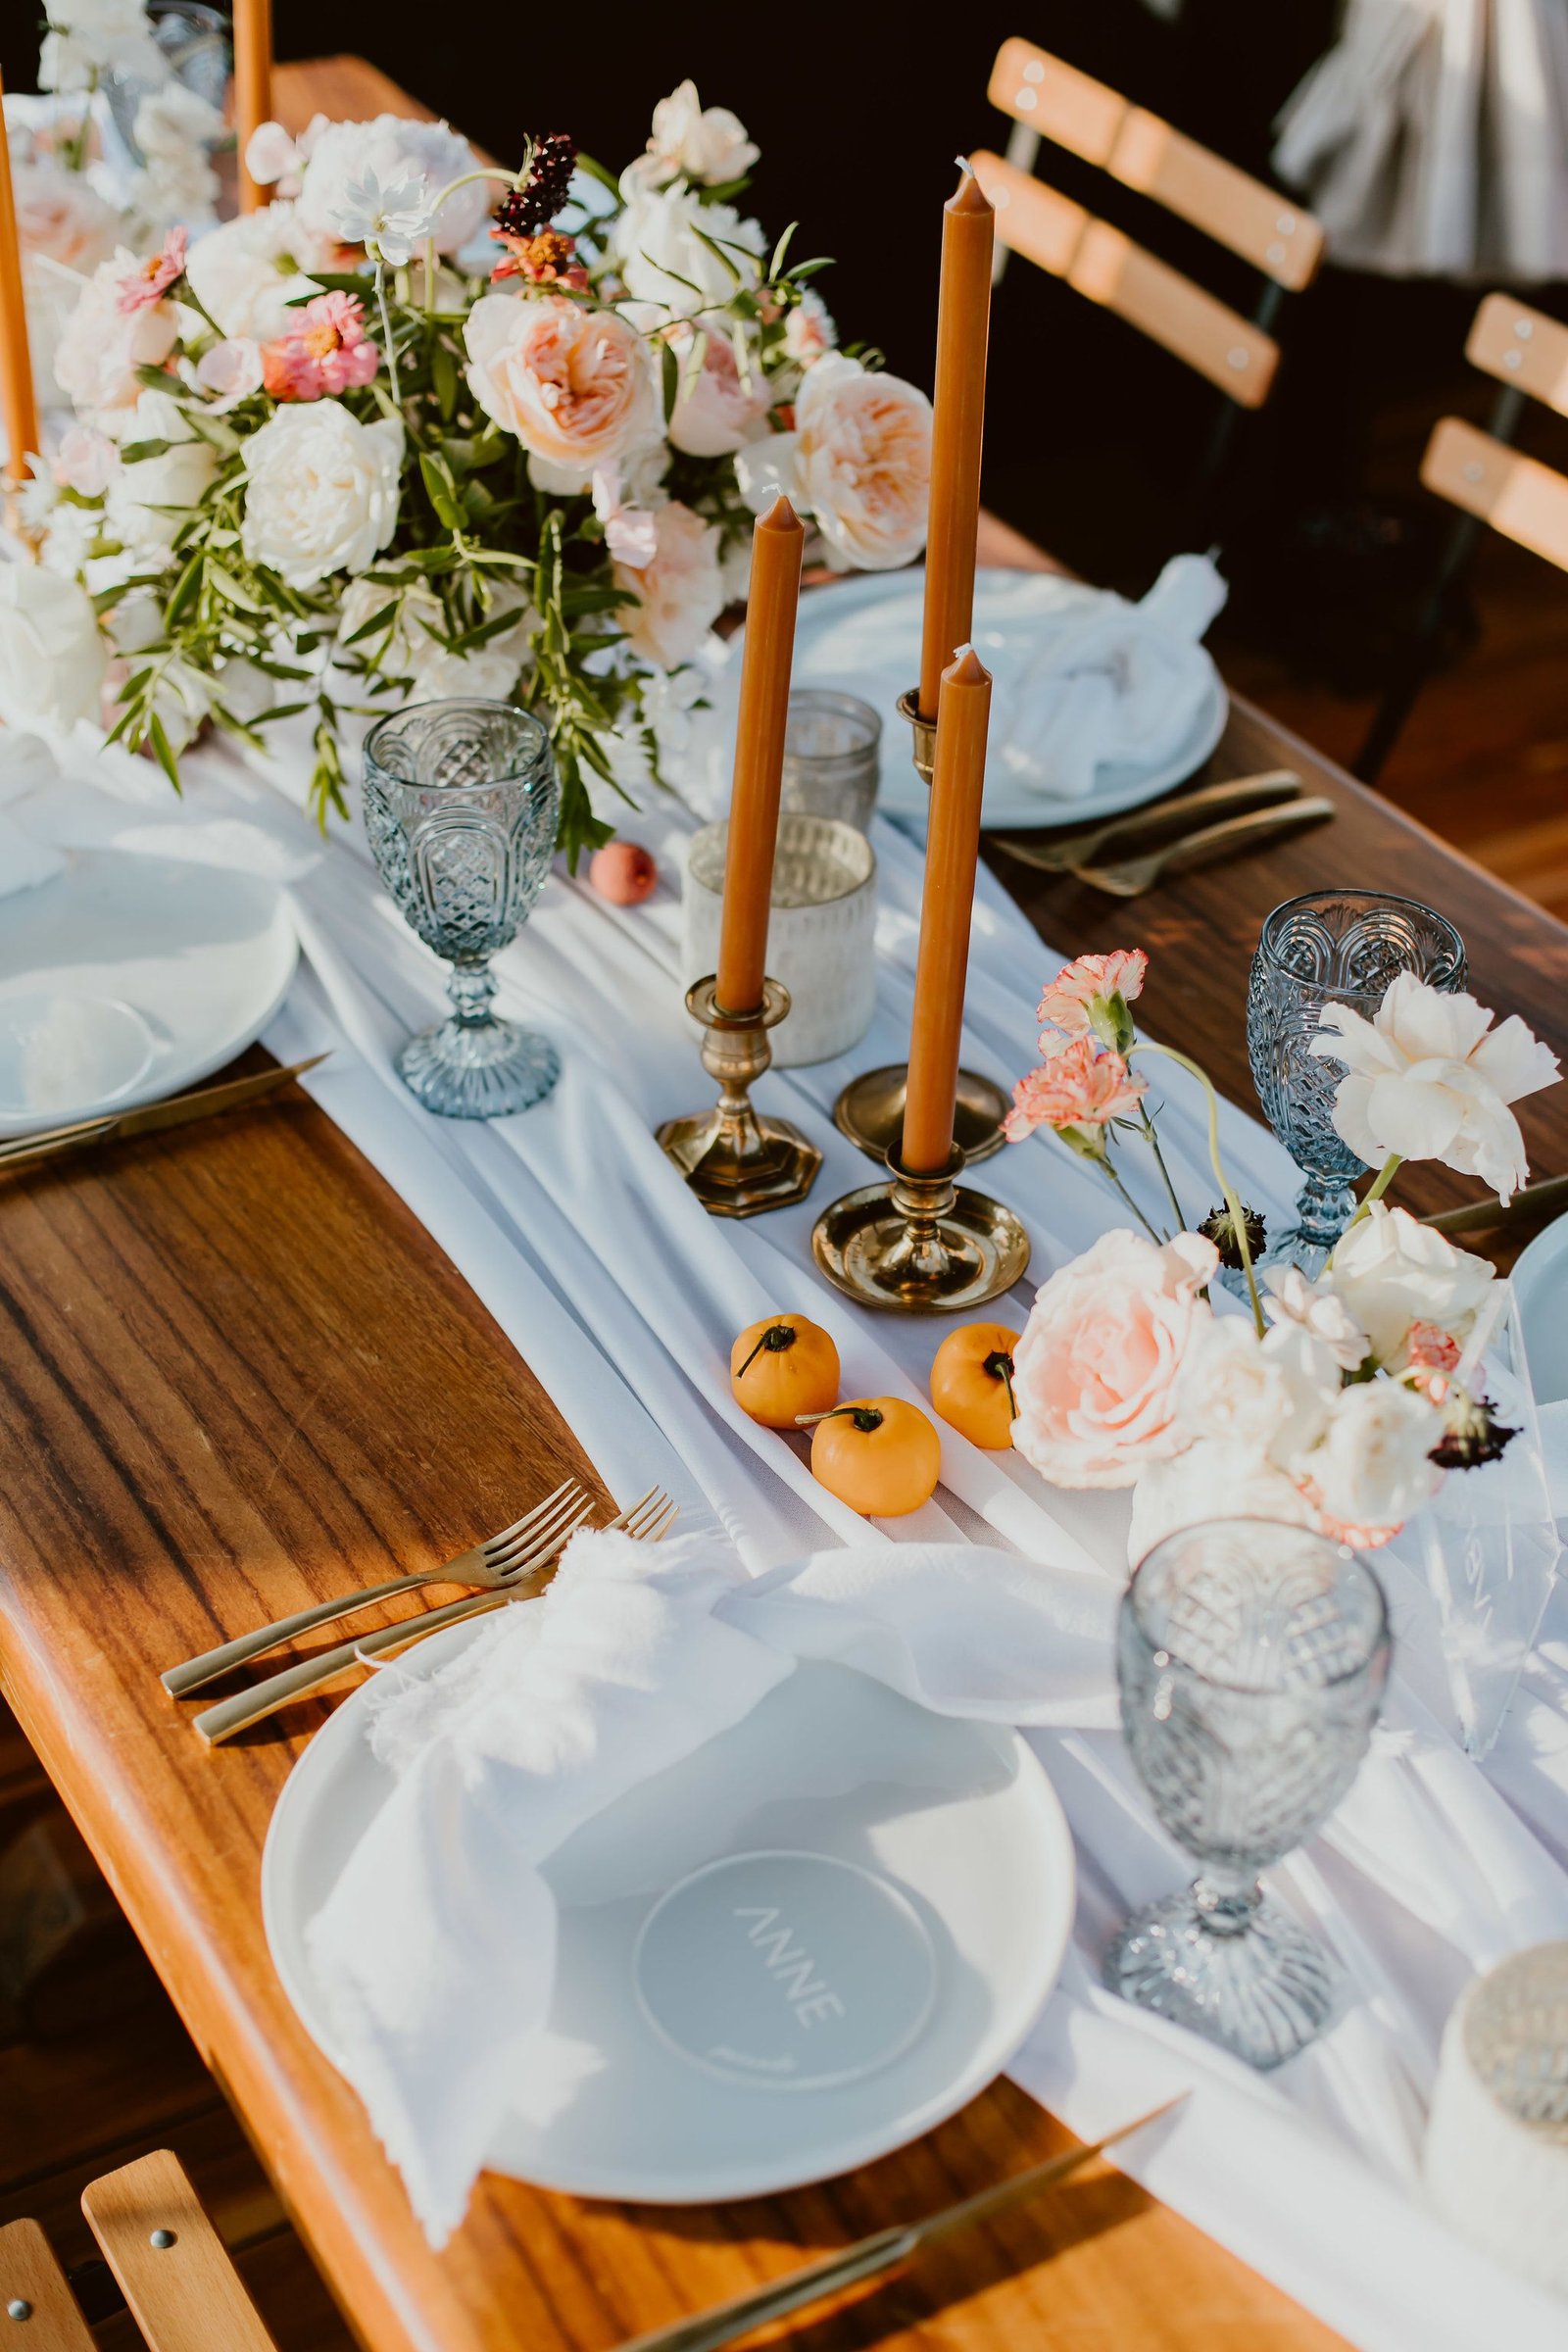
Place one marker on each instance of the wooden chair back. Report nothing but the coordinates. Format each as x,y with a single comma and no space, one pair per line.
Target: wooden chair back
1523,499
172,2267
1049,99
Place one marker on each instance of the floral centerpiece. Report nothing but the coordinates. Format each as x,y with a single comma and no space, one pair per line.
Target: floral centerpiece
420,427
1340,1404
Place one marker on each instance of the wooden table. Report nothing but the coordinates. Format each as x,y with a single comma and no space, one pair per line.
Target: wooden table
238,1375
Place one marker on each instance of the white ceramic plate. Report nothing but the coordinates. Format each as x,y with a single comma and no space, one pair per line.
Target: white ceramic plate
128,978
904,1881
863,636
1541,1294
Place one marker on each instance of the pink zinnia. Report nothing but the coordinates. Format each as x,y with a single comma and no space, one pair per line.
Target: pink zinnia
151,279
1079,1087
328,351
1066,1000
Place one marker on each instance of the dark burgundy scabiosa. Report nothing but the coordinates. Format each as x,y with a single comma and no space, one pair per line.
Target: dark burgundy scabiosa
534,205
1472,1433
1220,1226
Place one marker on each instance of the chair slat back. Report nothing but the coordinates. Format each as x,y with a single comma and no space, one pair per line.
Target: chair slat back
33,2290
1522,347
1523,499
1099,261
1144,153
185,2292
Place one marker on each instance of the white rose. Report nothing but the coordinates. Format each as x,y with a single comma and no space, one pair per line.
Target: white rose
858,459
175,189
1372,1469
248,271
86,461
61,218
321,491
179,476
1316,1308
718,405
170,121
680,592
394,150
88,38
1430,1078
704,143
1271,1395
101,346
1184,1493
1392,1271
656,247
52,654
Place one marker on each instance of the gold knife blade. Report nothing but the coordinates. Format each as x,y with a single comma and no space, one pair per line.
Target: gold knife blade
1062,851
872,2257
176,1110
1476,1216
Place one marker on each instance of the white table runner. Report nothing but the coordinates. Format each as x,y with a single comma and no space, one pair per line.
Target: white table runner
623,1297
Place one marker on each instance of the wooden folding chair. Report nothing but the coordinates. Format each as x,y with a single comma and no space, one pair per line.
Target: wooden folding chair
1049,99
1490,482
181,2288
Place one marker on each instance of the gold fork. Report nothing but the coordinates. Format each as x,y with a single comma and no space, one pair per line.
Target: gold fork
497,1562
1130,877
1064,850
647,1521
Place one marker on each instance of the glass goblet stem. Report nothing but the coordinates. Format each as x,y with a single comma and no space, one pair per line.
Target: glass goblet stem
471,988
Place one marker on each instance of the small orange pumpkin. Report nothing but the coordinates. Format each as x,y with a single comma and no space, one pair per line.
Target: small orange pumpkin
971,1383
783,1369
878,1455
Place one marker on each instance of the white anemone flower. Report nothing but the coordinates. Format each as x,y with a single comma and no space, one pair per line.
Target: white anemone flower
392,221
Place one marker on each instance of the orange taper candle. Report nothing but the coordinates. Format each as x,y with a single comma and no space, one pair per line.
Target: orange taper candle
776,592
963,323
18,411
253,87
952,851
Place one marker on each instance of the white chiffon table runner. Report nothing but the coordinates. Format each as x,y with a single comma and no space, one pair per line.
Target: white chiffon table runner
623,1297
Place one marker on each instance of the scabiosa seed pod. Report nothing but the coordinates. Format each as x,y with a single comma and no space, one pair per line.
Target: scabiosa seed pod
1472,1433
534,205
1220,1228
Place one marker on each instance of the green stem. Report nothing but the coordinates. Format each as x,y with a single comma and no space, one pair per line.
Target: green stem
1375,1189
1238,1220
386,330
1152,1140
1152,1231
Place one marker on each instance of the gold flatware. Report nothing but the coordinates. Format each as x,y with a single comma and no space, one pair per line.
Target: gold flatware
1130,877
1064,850
1477,1215
647,1521
494,1565
176,1110
872,2257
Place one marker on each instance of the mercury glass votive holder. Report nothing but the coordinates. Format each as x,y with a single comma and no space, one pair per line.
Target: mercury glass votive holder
460,809
821,932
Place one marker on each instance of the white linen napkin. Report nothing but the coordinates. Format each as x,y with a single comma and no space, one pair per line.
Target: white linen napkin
436,1949
1124,685
27,766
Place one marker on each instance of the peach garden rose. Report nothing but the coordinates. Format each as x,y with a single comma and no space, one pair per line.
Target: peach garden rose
680,592
576,386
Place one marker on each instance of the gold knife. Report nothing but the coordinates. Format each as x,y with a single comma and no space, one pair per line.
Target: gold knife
1477,1215
1064,850
872,2257
176,1110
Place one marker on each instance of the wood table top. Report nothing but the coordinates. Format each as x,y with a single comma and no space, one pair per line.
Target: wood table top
238,1375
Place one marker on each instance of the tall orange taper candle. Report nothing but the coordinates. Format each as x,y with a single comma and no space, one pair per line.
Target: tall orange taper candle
253,87
18,411
770,606
963,325
952,851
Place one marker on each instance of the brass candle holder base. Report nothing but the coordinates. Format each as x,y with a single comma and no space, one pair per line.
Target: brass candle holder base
737,1164
920,1245
924,731
869,1110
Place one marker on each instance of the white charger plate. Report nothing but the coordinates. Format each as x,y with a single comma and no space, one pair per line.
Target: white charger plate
863,636
1541,1294
167,969
921,1867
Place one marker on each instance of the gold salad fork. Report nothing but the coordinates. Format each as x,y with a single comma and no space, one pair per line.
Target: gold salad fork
647,1521
1130,877
497,1562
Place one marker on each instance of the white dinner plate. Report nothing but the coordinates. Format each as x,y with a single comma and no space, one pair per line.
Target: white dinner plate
802,1946
1541,1295
128,978
863,636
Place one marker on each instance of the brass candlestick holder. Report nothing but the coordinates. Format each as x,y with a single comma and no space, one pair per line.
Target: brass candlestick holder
737,1164
869,1110
920,1245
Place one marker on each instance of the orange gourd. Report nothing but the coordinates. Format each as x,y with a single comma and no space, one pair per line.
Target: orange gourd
784,1368
971,1383
881,1456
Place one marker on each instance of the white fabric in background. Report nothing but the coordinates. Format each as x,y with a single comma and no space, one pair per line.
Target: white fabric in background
623,1297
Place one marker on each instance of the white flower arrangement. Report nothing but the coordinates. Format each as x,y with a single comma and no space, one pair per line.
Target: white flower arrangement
376,463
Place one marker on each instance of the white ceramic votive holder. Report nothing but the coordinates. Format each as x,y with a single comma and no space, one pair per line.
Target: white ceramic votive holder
1497,2146
821,934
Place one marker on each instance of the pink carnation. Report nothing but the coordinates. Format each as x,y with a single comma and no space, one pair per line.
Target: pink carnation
150,281
1079,1087
1066,1000
327,353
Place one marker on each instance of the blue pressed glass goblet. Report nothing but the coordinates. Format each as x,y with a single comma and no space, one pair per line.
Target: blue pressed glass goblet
1330,947
460,808
1251,1658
